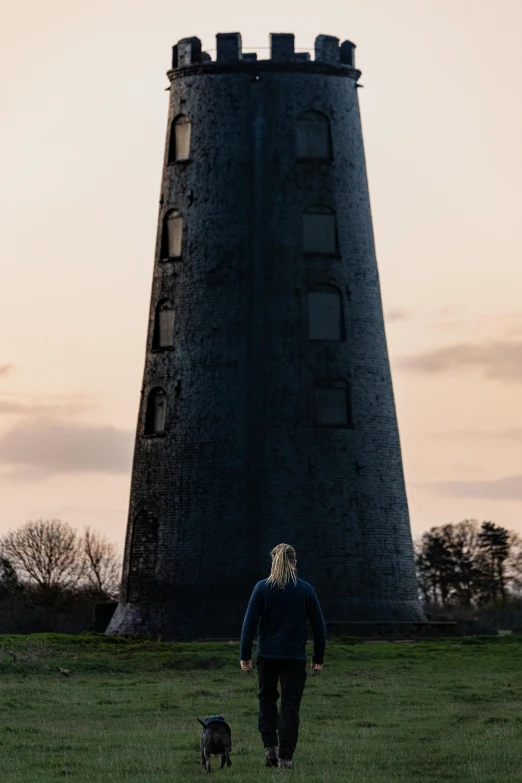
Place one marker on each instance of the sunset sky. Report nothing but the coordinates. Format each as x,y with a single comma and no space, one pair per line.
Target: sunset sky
83,129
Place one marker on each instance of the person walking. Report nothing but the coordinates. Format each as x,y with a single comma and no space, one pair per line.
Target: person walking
278,609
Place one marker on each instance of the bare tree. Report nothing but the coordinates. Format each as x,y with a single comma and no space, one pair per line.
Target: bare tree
45,553
102,564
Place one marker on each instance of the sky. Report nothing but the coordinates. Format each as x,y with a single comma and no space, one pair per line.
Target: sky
82,141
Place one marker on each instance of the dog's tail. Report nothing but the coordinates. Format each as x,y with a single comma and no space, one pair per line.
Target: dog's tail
200,721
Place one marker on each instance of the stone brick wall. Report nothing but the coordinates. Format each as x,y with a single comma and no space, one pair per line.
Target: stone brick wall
242,464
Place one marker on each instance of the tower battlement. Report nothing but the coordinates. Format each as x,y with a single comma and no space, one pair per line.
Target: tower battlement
229,49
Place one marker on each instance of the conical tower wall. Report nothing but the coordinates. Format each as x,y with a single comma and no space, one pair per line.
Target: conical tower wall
268,415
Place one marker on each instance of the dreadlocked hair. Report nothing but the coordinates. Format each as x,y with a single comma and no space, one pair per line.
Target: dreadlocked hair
283,566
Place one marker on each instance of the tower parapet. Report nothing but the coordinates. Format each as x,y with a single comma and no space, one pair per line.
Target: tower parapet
267,410
327,51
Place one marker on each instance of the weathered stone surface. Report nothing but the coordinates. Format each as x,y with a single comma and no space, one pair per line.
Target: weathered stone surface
282,46
242,465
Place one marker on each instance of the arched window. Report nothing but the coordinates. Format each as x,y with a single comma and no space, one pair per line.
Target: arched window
313,136
172,235
325,321
156,412
142,559
332,406
179,142
319,231
163,336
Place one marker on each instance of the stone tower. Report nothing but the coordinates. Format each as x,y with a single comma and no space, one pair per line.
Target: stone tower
267,410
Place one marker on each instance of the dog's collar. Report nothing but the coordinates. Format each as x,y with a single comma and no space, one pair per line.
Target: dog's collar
215,719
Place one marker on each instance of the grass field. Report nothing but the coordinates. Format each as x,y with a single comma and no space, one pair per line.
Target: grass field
126,709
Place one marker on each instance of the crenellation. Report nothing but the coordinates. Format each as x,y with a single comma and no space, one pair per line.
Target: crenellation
282,46
347,53
229,47
282,50
188,51
327,49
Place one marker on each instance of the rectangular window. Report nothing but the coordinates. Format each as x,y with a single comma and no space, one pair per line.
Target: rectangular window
324,314
313,139
331,405
319,233
160,411
166,327
175,228
182,131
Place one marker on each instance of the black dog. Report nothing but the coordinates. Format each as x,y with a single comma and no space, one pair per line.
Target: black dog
216,738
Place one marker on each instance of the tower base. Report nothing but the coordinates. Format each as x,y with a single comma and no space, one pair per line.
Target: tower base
216,613
392,630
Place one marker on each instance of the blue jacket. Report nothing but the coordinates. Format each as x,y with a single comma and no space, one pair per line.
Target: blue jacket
279,618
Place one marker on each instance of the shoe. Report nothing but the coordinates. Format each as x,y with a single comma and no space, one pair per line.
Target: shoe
271,756
285,763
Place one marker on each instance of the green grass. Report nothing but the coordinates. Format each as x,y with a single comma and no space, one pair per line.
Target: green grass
378,713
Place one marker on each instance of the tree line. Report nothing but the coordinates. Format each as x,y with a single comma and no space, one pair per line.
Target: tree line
468,565
52,576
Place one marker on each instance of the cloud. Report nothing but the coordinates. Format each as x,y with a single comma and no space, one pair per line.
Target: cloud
43,405
504,326
451,325
449,310
37,448
397,315
500,360
449,317
513,434
507,488
50,405
514,329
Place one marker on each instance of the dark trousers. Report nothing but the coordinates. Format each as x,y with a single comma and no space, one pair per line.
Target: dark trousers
291,675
